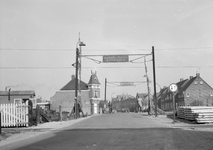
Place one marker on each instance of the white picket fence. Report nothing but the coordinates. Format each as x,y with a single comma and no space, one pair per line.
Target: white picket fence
13,115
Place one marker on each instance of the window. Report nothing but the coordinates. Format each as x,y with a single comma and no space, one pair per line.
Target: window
196,82
211,93
201,82
187,94
17,101
95,94
179,96
182,95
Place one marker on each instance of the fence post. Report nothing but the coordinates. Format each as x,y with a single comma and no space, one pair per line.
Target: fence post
37,115
0,121
60,113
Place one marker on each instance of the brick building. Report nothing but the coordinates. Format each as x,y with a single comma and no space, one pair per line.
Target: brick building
191,92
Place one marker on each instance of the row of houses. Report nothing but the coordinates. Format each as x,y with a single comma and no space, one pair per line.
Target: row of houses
123,97
193,91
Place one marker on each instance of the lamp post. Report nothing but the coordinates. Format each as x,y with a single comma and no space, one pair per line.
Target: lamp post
77,84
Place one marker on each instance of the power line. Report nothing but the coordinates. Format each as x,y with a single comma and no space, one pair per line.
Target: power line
42,49
102,50
195,48
128,67
69,49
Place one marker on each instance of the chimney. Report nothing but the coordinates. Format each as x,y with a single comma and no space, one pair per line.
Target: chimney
190,77
197,74
9,94
73,77
181,79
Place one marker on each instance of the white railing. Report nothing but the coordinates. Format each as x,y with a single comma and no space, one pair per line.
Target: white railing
14,114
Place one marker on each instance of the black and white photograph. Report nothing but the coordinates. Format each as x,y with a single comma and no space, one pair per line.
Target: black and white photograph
106,74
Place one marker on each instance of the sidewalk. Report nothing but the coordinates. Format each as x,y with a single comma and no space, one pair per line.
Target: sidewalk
182,123
19,134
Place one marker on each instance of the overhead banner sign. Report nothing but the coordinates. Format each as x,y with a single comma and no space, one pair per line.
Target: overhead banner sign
127,84
115,58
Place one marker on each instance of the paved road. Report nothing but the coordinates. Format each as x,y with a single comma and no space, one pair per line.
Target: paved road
121,131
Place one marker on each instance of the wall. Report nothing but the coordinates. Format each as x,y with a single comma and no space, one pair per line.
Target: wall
198,94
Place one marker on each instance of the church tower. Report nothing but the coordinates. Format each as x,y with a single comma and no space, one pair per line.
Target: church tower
94,93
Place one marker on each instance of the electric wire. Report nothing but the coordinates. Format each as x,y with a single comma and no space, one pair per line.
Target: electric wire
102,50
123,67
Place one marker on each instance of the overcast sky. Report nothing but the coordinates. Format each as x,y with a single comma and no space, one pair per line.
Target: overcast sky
38,40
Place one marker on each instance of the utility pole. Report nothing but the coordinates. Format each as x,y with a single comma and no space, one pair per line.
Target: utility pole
154,79
78,68
79,82
76,84
147,80
105,89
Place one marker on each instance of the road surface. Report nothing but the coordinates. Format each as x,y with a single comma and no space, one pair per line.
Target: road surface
121,131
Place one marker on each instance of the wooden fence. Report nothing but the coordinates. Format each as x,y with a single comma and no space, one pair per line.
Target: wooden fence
14,115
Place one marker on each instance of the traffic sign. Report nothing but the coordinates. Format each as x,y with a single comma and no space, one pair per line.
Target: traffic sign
173,87
115,58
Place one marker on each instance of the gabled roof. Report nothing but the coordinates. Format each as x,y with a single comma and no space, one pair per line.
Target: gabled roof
93,79
4,93
186,84
71,85
180,84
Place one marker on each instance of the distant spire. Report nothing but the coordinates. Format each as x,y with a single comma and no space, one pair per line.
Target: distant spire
79,37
